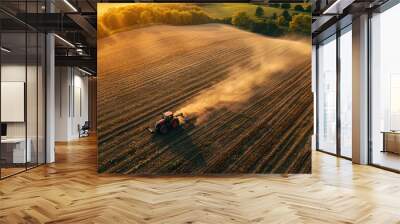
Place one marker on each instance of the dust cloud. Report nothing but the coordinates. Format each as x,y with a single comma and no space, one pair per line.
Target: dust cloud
242,83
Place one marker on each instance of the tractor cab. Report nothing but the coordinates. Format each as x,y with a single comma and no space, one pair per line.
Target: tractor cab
167,115
168,122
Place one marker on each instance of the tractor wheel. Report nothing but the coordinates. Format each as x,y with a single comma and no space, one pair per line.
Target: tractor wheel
175,123
163,129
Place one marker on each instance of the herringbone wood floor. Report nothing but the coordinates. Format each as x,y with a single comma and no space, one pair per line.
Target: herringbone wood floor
70,191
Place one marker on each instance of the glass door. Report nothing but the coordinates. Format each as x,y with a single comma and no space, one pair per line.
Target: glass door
326,106
385,89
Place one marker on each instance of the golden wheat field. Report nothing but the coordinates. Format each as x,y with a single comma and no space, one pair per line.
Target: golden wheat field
248,96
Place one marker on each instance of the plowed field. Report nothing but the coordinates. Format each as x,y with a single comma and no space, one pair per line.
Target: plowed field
265,126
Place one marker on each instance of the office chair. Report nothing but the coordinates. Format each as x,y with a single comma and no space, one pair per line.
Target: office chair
84,130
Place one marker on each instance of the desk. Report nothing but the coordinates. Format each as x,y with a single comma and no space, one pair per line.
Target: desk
391,141
13,150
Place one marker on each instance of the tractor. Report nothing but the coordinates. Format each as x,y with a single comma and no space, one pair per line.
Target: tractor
168,122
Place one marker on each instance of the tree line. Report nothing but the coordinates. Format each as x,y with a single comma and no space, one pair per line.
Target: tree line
121,18
299,8
125,17
274,25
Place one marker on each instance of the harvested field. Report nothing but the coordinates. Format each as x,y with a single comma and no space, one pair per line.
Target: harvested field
250,96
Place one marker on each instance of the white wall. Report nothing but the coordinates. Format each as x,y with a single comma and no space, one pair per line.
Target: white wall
16,73
33,127
71,102
80,112
62,81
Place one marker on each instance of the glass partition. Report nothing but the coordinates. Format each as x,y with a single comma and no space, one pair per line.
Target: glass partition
41,91
385,89
32,95
14,153
327,95
346,92
22,98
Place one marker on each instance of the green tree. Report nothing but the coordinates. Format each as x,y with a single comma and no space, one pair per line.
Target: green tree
282,21
145,17
299,8
111,21
301,24
258,27
274,5
287,15
241,20
308,8
285,5
259,11
199,17
129,18
227,20
186,17
266,27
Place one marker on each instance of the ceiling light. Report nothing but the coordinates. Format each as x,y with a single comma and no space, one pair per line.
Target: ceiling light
337,7
330,8
70,5
80,51
5,50
65,41
84,71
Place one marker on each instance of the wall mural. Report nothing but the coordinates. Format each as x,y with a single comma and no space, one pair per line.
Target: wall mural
216,88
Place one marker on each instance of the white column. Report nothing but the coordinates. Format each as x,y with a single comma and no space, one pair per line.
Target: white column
314,90
50,92
62,103
50,99
360,90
